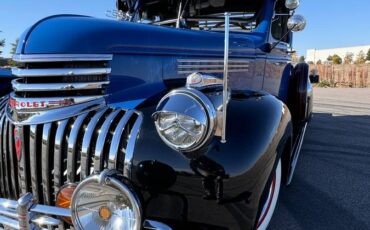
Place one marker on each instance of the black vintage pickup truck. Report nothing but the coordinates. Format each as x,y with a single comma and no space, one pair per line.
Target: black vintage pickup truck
180,114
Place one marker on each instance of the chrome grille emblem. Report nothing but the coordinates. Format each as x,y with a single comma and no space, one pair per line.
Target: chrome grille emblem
18,142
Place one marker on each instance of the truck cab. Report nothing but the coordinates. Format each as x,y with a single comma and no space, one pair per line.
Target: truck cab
179,114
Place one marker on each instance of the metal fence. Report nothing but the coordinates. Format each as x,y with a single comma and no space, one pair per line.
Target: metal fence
354,76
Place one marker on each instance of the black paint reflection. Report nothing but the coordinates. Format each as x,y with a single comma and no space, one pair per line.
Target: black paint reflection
212,175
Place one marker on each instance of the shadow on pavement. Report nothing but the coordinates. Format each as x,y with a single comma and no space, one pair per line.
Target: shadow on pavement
331,187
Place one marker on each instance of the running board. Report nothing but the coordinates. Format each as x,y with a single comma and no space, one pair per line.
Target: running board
297,151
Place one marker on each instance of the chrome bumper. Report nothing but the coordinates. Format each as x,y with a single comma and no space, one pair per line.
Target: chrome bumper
24,214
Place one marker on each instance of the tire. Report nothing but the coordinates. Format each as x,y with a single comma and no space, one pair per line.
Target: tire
271,201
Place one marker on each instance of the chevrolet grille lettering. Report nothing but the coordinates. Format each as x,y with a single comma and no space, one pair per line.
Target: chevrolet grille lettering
14,104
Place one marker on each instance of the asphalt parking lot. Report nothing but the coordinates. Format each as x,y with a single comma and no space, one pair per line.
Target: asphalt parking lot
331,187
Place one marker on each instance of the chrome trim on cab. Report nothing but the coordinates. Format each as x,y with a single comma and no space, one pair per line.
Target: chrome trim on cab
29,58
189,66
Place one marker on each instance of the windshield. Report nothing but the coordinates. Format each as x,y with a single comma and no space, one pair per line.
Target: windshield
194,14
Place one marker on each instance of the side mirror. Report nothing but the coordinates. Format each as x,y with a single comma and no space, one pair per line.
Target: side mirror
292,4
297,23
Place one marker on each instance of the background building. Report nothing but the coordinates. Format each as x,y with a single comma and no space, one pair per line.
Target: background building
314,55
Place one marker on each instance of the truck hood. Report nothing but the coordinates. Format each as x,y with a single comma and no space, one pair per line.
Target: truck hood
155,49
72,34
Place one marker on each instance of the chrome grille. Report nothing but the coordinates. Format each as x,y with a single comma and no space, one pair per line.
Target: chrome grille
76,78
66,151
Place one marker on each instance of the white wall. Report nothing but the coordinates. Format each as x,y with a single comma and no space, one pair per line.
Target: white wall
323,54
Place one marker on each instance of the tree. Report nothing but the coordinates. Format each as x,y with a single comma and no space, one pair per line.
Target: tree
368,55
330,58
348,59
337,59
12,52
14,46
2,44
319,62
361,58
302,59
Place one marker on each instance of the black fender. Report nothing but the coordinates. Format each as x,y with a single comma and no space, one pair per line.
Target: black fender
300,95
220,186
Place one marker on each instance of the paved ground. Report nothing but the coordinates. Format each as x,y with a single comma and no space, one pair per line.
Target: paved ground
331,187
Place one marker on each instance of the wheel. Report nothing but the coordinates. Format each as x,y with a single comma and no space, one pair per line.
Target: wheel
270,204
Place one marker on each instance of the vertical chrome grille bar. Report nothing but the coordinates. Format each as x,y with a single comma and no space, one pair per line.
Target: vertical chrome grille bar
114,147
22,165
3,100
86,143
45,163
58,154
134,135
2,157
72,149
34,163
4,130
100,143
13,161
2,175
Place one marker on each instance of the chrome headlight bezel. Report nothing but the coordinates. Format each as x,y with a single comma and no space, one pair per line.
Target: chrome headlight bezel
203,112
106,178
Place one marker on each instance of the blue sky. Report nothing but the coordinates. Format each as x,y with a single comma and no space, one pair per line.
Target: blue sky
330,23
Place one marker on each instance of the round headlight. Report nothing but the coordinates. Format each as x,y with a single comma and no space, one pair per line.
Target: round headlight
103,202
185,119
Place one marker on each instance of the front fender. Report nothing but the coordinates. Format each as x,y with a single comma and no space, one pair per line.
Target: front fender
222,185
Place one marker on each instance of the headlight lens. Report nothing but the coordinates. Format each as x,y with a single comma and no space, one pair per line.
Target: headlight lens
184,119
102,202
180,130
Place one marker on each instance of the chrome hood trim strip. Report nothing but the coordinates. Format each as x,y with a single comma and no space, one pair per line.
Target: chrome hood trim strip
59,72
61,57
21,87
